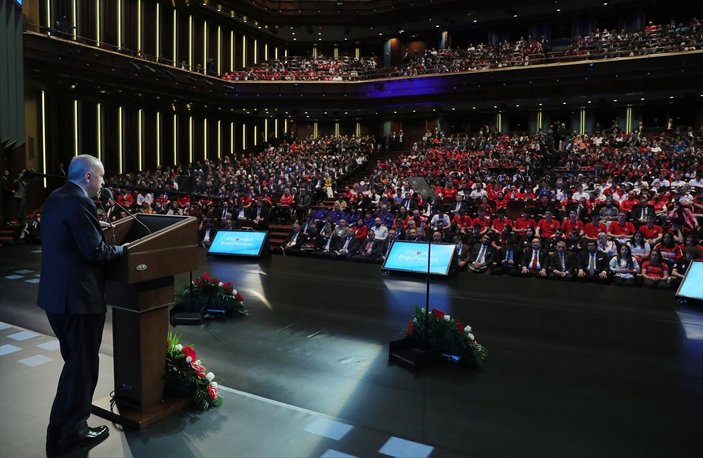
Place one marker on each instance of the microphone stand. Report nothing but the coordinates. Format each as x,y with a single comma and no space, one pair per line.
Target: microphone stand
106,193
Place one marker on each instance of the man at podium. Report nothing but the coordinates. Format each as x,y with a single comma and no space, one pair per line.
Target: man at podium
71,291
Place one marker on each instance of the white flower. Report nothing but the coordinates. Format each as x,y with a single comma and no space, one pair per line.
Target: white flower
467,328
189,359
178,347
220,284
197,361
447,317
209,376
415,320
471,337
234,292
214,384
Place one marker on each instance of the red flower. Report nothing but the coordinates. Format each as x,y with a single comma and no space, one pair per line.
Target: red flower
212,391
238,297
205,277
228,287
438,313
200,370
459,326
188,351
411,328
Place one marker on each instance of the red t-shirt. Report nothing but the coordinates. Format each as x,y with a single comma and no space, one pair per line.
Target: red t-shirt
651,232
654,270
522,224
627,229
592,231
567,226
548,228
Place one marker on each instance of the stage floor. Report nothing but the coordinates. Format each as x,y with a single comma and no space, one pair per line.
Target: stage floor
573,370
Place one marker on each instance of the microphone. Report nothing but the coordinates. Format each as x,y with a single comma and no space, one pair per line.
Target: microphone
106,194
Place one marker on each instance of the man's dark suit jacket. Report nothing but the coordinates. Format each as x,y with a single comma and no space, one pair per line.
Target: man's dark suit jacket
543,259
73,253
476,249
601,262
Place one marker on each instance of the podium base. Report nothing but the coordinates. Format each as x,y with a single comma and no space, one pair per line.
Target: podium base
138,419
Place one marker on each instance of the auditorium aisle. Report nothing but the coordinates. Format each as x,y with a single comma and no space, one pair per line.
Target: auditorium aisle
574,370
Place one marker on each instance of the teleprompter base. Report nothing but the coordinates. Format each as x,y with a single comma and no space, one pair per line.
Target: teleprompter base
137,419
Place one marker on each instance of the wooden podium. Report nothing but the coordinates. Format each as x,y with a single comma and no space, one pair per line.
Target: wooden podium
140,288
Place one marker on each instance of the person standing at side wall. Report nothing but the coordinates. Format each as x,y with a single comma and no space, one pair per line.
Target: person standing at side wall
71,291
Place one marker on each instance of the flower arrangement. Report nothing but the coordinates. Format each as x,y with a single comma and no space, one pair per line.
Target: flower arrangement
206,292
451,336
186,374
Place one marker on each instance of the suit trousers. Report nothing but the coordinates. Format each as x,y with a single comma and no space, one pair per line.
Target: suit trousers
79,338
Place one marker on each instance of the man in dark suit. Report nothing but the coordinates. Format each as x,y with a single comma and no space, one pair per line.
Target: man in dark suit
535,260
481,255
593,264
561,264
71,292
507,259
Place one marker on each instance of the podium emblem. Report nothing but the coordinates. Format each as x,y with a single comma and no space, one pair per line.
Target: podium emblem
141,267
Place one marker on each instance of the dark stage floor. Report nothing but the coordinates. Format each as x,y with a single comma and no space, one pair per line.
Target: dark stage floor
574,370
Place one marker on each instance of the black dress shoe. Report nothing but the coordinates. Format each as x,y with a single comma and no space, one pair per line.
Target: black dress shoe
92,437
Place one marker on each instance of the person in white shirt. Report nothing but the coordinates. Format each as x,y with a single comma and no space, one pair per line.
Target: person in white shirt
380,230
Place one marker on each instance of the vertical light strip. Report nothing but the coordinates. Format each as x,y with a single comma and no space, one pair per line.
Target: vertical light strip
266,129
175,38
120,149
628,120
244,137
49,27
74,16
219,138
205,153
119,27
499,122
219,50
314,129
357,130
275,53
357,53
335,53
285,126
139,26
266,51
539,120
205,47
256,51
175,139
190,139
256,135
190,42
582,121
158,30
231,50
244,51
140,140
336,129
275,127
231,137
158,138
99,125
43,134
75,127
98,30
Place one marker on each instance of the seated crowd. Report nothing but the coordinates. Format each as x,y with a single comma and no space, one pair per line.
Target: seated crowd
308,69
627,211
